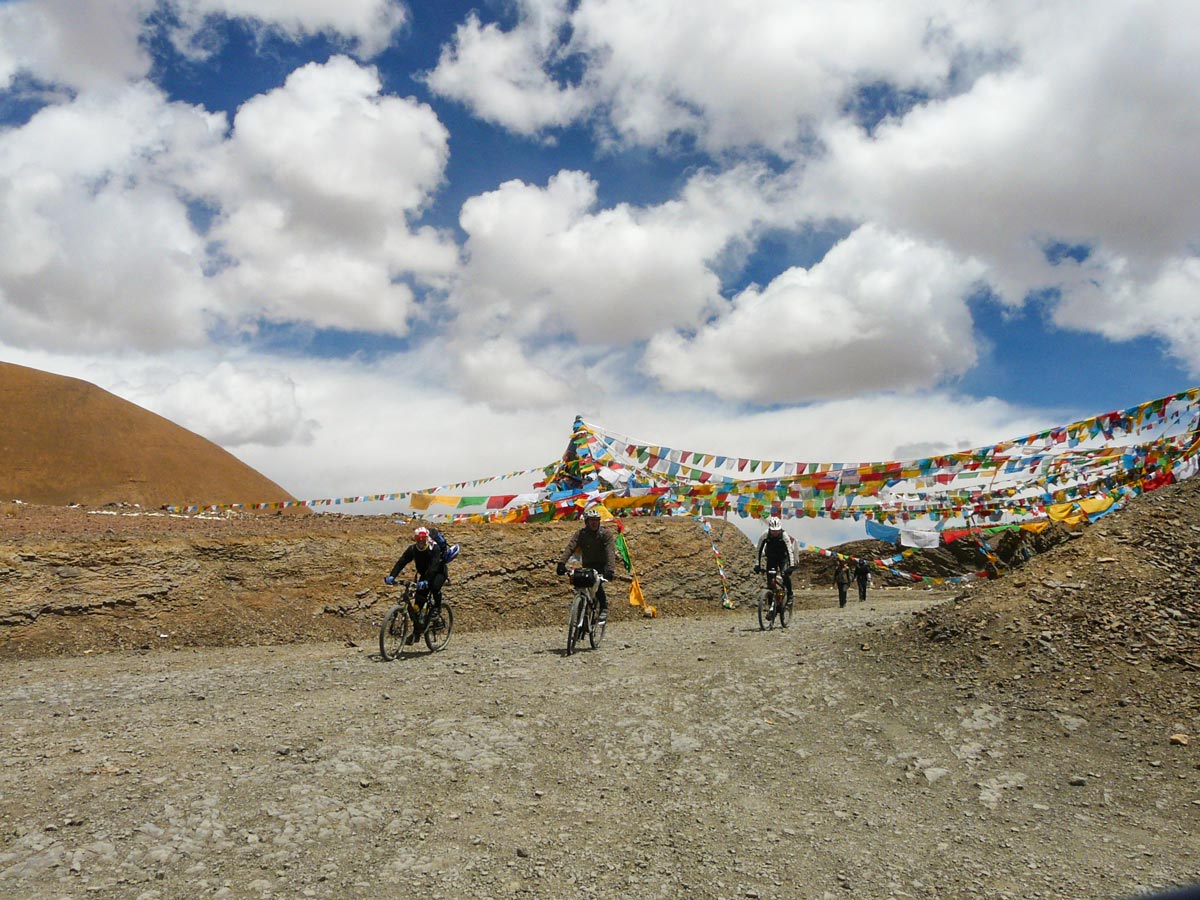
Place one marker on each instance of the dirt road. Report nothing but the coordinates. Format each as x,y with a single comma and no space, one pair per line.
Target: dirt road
691,757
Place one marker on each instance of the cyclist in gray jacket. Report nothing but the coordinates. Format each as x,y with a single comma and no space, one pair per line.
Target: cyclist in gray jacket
597,549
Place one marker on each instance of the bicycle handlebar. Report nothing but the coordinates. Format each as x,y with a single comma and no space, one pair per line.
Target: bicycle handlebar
600,579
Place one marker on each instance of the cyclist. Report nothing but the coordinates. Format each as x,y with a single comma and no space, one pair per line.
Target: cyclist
597,550
430,559
778,550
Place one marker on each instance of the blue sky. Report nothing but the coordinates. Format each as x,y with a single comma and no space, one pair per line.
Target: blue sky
375,246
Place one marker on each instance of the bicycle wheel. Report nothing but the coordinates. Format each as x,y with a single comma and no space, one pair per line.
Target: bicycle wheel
393,632
595,628
785,612
437,632
765,618
573,630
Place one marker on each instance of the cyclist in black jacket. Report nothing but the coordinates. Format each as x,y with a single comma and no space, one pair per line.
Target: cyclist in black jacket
779,551
429,556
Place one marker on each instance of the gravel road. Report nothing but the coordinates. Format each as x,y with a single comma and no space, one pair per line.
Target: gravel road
687,757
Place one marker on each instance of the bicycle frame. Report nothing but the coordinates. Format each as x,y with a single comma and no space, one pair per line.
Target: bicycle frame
772,604
777,588
584,611
405,620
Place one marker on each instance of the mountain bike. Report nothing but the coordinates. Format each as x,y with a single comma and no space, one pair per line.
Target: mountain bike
415,608
584,609
773,603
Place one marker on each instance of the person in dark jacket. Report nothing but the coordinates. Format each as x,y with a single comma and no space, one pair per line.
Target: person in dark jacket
429,557
842,578
862,574
597,549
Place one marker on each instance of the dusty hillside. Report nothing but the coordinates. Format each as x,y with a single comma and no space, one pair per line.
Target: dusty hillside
76,579
1111,617
66,441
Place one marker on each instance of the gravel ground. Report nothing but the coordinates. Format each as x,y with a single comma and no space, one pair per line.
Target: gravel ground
687,757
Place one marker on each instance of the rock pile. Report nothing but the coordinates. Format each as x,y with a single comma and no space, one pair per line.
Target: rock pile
1113,612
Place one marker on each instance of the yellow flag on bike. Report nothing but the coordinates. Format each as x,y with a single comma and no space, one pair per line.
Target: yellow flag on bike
635,593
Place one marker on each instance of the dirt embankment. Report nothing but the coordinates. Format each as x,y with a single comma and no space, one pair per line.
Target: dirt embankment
74,580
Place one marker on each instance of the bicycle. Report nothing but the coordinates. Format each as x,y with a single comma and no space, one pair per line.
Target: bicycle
416,607
584,611
774,603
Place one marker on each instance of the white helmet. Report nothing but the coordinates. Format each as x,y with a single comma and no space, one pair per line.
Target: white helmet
773,524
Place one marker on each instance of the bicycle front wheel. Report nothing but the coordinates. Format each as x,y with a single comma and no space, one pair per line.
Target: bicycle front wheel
596,629
393,632
437,632
785,612
765,607
574,632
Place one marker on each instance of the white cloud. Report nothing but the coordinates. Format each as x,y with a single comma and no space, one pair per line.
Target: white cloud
707,67
545,260
230,404
1037,125
95,239
496,372
83,44
311,196
316,186
879,312
730,75
368,25
1104,296
1088,138
91,44
502,74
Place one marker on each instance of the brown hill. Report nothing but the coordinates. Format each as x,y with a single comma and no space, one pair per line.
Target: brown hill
67,441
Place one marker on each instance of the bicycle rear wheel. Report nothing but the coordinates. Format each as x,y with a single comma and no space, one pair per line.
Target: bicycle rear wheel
437,632
393,632
573,629
765,605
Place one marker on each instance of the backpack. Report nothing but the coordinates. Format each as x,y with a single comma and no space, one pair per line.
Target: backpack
449,551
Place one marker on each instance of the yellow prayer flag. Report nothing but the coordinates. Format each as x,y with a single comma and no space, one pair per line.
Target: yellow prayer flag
636,597
1095,505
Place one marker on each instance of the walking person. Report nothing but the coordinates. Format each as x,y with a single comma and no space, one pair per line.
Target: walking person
862,574
842,578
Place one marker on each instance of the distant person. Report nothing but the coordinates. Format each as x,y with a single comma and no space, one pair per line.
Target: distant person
842,578
597,549
862,574
430,554
778,550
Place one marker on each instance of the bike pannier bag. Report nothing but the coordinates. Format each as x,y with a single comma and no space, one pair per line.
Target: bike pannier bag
583,578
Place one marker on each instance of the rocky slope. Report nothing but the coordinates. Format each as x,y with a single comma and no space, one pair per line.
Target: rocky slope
78,579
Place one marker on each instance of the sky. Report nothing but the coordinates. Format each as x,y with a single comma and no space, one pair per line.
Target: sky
375,246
